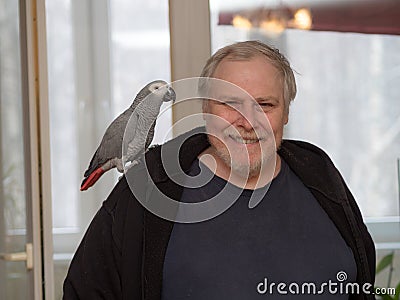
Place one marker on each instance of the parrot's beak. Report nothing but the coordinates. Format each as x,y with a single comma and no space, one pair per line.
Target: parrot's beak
170,95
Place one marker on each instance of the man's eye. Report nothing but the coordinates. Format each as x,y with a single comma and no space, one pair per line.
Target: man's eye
266,104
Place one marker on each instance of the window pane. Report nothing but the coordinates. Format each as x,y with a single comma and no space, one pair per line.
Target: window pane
63,114
353,110
15,282
140,51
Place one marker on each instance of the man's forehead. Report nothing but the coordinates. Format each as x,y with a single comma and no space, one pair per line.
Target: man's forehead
226,91
222,88
230,96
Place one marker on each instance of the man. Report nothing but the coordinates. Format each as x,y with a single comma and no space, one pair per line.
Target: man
304,230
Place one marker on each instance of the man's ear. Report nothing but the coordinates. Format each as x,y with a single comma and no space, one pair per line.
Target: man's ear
286,117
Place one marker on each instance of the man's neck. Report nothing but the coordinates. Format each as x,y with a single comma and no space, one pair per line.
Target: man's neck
219,168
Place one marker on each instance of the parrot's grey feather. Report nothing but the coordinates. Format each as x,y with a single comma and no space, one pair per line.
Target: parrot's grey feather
150,135
111,144
131,131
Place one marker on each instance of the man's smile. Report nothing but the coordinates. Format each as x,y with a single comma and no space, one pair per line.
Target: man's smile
241,140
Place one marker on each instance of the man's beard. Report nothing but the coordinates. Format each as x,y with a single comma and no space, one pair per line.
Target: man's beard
239,160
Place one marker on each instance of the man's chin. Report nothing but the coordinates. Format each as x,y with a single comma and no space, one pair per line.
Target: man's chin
246,171
241,166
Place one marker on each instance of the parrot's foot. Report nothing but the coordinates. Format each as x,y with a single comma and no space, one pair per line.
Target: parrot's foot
119,165
132,164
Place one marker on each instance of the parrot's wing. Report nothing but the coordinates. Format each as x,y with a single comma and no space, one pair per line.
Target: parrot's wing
131,134
150,135
111,143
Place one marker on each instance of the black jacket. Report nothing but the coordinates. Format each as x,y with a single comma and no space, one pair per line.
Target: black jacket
122,253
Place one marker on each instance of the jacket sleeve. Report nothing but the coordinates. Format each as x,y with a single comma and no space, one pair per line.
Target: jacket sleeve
95,271
367,239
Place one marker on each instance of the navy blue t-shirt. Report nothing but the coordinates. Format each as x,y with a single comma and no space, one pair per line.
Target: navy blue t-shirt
287,240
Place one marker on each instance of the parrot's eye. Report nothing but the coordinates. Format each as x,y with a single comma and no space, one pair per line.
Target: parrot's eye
155,87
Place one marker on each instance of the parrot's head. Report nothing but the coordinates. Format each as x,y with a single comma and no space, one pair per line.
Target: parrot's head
163,89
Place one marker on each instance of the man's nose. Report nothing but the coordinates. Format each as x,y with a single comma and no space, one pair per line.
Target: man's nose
248,117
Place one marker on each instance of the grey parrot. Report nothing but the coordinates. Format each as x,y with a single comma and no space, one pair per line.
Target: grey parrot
139,134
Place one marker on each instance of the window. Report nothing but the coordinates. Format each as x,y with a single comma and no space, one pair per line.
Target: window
100,54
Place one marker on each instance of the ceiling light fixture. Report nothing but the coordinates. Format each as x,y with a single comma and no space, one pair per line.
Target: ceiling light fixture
274,21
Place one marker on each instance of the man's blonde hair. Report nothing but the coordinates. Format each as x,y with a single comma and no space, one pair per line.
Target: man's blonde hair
249,49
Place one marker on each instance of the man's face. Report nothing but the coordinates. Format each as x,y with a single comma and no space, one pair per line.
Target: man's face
240,133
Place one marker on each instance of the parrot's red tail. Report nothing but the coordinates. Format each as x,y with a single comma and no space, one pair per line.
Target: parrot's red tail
91,179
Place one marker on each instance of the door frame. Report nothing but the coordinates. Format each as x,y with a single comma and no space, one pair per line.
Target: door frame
37,144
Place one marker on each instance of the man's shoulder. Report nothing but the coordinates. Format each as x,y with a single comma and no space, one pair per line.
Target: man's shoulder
119,195
299,145
187,142
313,166
175,155
179,151
302,151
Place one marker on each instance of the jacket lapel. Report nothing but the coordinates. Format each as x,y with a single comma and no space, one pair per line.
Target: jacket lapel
157,230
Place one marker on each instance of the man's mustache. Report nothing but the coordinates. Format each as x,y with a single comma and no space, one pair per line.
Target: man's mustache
244,134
